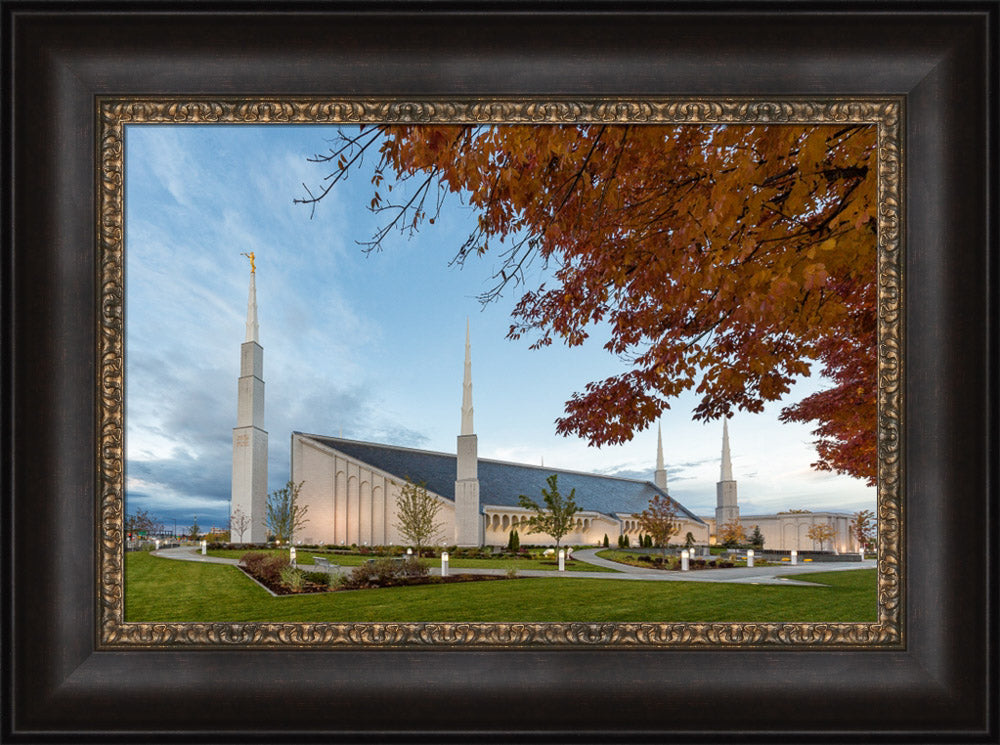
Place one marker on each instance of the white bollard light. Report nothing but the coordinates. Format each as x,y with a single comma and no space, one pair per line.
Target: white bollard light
409,552
444,563
685,558
158,546
291,555
204,547
795,558
749,557
562,560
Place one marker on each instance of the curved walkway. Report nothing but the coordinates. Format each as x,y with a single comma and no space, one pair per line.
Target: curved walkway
737,575
769,575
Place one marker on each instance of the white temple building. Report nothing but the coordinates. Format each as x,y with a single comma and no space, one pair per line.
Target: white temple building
351,487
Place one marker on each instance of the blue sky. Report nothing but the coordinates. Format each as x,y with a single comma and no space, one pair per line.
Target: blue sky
369,346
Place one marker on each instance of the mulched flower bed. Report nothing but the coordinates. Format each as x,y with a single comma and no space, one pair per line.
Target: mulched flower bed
312,588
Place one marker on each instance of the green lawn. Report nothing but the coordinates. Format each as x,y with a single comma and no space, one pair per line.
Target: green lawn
168,590
303,557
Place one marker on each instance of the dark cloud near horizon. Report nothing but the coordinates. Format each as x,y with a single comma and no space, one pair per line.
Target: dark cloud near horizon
194,409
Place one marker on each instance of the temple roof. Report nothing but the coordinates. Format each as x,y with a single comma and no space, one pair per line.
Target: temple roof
500,482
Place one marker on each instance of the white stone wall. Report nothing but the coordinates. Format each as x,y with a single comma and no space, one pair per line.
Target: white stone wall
249,484
350,502
632,529
789,531
468,515
591,527
727,510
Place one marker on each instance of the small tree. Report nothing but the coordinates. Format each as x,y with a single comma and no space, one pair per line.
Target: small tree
556,517
660,522
141,521
239,523
416,514
689,540
863,529
513,541
757,538
606,543
732,534
625,541
820,532
195,529
285,516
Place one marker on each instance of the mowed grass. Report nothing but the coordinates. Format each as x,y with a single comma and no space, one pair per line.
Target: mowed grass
168,590
304,558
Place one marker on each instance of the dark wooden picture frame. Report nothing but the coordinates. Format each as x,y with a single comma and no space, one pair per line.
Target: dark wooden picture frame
59,685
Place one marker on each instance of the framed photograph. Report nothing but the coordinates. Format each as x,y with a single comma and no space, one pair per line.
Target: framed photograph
132,158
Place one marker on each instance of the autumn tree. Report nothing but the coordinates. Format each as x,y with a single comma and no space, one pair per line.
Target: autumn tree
285,516
731,534
239,523
416,514
821,533
555,515
195,530
862,527
660,521
727,260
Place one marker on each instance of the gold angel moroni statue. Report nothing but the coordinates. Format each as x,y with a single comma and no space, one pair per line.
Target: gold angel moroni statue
253,265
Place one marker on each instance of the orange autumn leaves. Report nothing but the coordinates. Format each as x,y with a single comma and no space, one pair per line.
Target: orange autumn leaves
724,260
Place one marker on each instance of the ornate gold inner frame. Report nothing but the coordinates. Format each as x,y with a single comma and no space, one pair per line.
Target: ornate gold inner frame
115,113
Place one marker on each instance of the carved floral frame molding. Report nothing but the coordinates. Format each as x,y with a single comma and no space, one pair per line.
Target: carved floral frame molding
114,113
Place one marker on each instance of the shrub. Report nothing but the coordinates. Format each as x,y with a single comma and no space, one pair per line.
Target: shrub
384,573
411,568
514,541
292,578
317,578
265,567
512,573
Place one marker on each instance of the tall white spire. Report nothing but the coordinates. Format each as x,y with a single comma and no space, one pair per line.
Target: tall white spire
726,471
248,499
467,428
253,332
660,477
727,509
469,525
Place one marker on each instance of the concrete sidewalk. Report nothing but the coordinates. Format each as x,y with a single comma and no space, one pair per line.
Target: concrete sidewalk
737,575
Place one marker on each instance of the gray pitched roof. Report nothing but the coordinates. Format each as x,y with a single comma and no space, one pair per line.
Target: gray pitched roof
501,483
